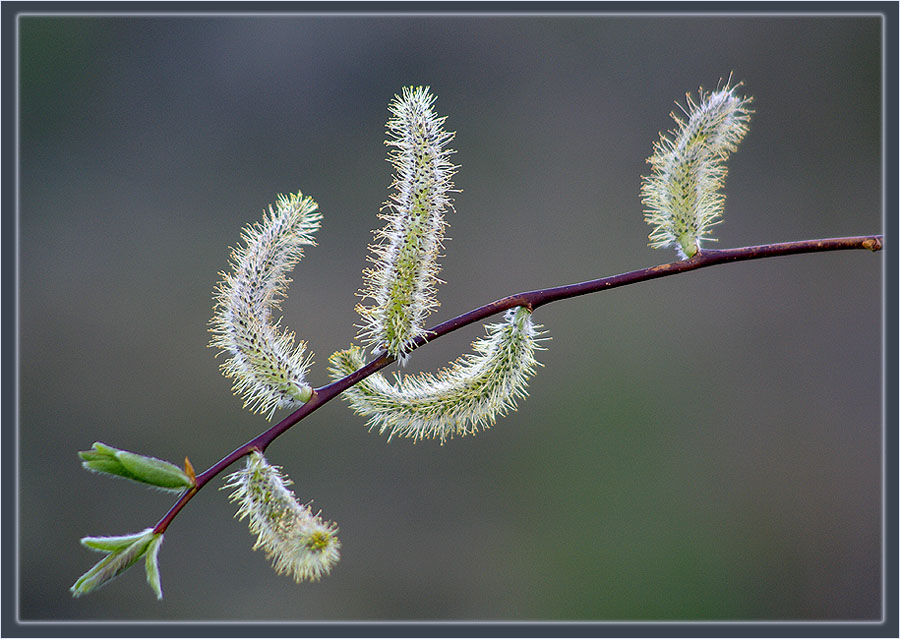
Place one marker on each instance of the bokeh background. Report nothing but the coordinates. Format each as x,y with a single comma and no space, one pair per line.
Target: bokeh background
706,446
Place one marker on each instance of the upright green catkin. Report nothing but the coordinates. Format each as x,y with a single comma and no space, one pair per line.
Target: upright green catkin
400,285
681,195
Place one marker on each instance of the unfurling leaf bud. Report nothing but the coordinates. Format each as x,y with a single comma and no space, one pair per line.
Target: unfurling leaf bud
681,195
147,470
297,541
122,553
401,284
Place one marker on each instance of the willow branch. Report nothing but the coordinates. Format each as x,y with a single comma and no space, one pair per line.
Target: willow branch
531,300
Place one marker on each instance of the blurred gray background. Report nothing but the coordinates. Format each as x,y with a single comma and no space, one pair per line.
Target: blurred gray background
706,446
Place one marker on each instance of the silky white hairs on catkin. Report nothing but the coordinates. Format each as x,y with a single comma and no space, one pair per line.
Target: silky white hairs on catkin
268,369
401,283
681,195
461,399
298,542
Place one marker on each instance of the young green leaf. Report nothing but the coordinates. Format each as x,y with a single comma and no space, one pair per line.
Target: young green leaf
116,562
140,468
152,565
111,544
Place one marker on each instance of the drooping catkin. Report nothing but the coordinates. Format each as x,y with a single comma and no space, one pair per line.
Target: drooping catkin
461,399
298,542
681,195
268,369
400,286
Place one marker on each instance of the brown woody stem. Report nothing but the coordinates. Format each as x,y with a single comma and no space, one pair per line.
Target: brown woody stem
532,300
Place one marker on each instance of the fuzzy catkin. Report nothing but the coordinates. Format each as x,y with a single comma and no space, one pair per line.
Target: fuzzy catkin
461,399
298,542
681,195
268,369
401,283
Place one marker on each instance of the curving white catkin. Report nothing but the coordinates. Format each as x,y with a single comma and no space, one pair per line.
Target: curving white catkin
401,283
461,399
268,369
298,542
681,195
